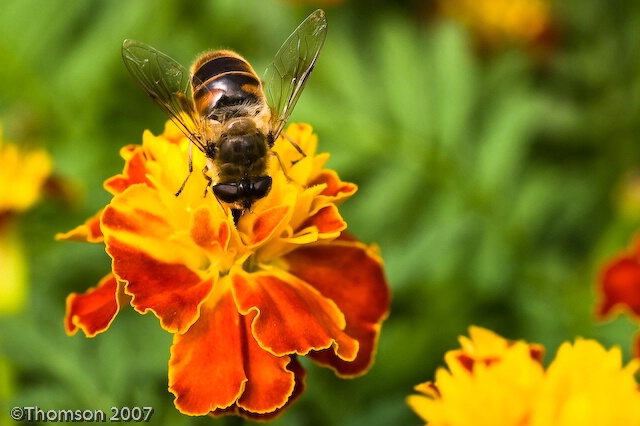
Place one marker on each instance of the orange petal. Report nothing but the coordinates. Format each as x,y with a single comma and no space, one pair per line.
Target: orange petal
135,170
208,231
156,258
300,375
207,367
620,287
260,227
270,384
218,367
351,275
336,188
95,310
327,221
292,317
89,231
172,292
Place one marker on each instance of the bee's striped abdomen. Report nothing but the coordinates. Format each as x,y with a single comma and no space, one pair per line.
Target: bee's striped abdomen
224,84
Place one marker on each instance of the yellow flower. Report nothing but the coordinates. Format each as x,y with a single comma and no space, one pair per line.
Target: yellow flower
497,22
22,175
490,381
588,385
493,381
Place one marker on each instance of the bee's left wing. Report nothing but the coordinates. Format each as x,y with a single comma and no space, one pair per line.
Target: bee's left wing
167,84
285,78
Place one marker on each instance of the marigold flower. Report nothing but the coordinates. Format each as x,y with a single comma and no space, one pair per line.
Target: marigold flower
619,284
23,173
587,384
499,22
493,381
490,381
242,300
619,287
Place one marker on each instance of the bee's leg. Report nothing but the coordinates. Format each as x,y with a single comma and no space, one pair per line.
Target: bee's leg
190,169
296,146
208,178
284,170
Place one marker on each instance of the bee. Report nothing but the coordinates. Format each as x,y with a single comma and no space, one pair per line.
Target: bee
226,111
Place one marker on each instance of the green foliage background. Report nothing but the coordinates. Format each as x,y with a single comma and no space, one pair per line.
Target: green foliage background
489,181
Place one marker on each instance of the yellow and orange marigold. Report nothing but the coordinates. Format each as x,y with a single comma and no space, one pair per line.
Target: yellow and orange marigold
493,381
242,300
619,287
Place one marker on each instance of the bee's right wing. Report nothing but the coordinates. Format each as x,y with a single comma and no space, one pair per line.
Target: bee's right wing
285,78
167,83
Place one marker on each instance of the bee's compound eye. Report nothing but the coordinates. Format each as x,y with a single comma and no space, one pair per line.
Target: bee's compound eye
227,192
261,187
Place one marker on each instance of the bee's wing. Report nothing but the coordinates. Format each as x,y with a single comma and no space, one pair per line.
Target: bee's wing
167,83
285,78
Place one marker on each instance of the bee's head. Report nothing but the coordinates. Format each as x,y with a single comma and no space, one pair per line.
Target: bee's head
243,192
